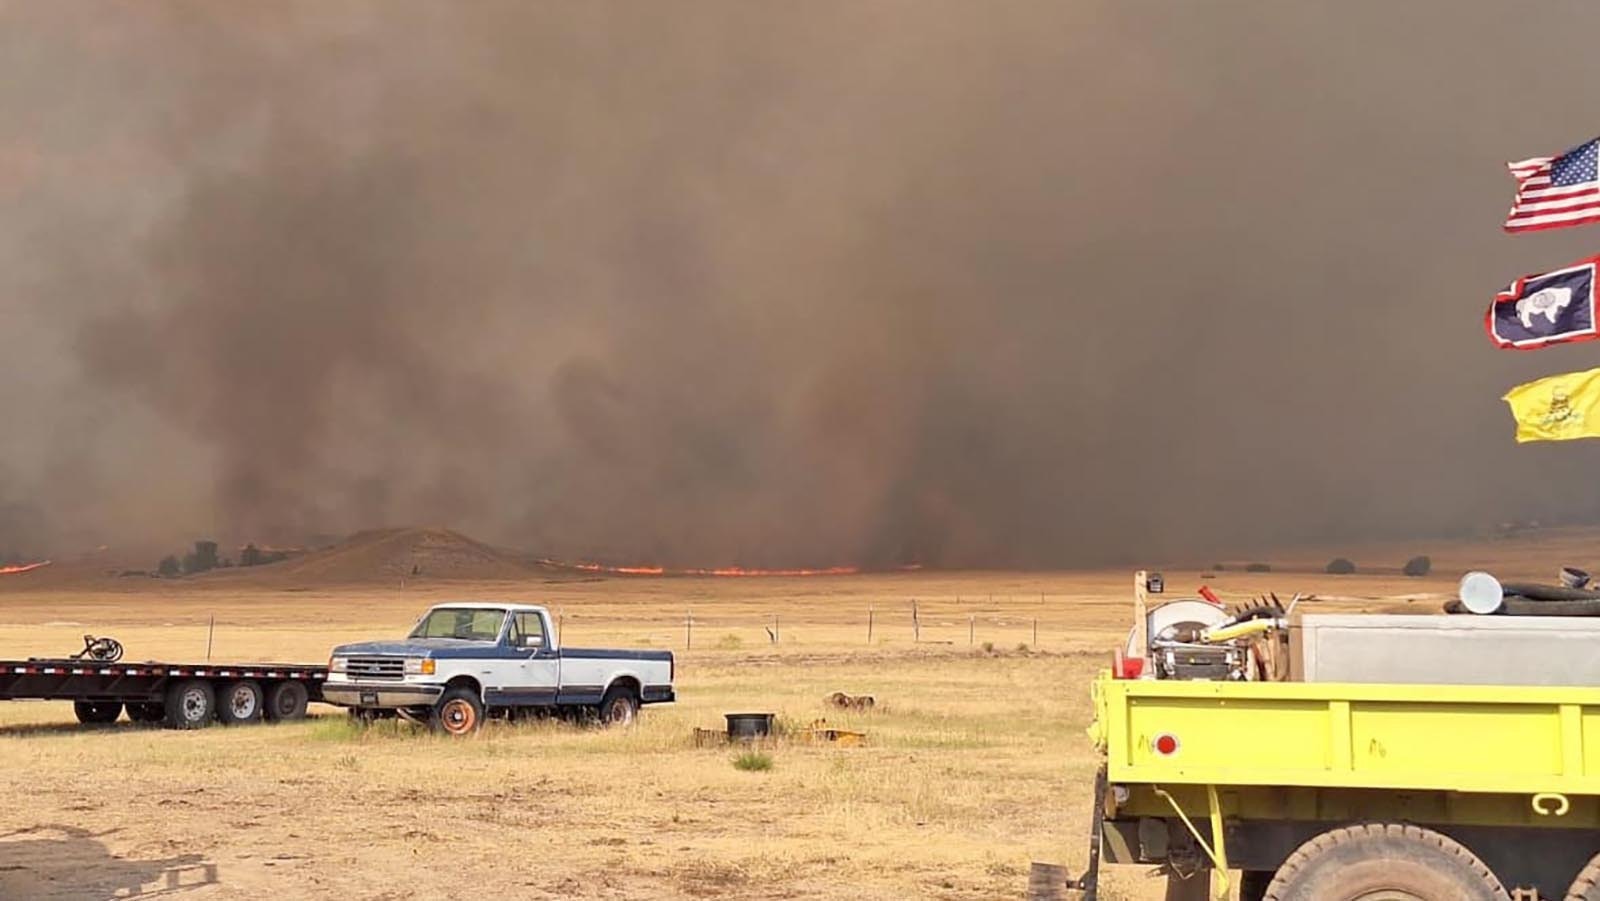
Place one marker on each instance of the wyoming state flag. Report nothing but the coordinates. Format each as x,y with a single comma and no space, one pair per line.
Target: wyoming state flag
1546,308
1557,408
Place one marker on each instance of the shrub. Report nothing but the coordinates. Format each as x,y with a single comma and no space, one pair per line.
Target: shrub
1339,566
1219,567
203,559
169,567
753,761
1418,566
1258,568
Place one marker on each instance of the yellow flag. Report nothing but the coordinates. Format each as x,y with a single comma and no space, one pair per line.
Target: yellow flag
1557,408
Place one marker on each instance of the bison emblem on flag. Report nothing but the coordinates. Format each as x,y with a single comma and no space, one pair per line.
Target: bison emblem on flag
1545,308
1547,302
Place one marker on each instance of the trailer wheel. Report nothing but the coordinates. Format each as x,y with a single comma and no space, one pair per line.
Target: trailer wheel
147,712
287,701
459,712
1587,886
619,707
240,703
1387,861
191,704
97,713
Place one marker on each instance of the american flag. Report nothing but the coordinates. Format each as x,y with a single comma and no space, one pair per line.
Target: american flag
1554,192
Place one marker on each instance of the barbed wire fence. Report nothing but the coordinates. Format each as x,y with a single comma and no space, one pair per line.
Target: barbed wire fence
991,621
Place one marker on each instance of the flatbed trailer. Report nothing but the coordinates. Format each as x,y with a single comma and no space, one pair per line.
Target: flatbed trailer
181,695
1330,792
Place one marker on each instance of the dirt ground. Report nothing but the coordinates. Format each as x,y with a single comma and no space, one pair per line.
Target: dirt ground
976,761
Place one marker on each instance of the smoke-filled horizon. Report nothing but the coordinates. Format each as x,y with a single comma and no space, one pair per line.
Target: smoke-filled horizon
1006,284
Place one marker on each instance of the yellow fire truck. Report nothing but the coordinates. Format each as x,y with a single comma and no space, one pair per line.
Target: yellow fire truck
1234,771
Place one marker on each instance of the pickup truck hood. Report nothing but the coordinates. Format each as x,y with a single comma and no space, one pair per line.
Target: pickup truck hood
421,647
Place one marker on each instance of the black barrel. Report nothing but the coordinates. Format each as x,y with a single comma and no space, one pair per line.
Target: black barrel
749,726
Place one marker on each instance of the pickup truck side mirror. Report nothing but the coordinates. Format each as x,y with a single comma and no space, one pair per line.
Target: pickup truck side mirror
533,641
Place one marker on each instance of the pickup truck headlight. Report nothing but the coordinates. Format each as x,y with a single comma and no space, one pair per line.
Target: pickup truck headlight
419,666
338,664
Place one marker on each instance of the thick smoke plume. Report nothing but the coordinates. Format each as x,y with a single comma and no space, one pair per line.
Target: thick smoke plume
1014,283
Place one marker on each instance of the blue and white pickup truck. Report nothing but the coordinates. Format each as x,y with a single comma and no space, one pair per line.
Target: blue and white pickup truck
466,660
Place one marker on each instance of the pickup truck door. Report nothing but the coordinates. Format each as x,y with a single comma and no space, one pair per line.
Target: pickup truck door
537,674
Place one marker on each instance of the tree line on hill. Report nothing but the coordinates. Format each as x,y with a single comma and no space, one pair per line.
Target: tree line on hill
204,559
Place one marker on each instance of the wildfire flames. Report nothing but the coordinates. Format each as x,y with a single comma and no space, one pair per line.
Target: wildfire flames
588,567
22,568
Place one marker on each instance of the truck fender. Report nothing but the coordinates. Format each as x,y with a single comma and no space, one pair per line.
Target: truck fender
629,678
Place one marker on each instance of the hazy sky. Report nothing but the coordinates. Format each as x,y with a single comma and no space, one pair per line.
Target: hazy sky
998,283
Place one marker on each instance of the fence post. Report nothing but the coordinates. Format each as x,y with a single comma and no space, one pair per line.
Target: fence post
211,629
971,621
688,629
916,623
869,624
1036,632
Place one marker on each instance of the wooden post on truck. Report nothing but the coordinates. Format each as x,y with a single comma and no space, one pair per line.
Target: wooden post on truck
1141,600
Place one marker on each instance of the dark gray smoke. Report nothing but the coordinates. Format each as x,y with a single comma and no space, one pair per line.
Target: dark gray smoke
1000,283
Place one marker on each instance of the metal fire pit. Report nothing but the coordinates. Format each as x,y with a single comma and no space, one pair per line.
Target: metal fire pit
749,726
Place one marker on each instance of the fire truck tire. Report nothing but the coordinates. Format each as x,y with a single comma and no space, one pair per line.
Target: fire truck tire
240,702
191,704
97,713
286,701
1387,859
147,712
1587,886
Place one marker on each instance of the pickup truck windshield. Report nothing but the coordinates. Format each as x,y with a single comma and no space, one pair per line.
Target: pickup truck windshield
468,623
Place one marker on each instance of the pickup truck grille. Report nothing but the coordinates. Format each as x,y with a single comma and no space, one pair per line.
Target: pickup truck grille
376,668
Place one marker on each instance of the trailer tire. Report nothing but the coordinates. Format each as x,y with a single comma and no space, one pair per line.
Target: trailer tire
1587,886
147,711
1402,860
459,712
287,701
191,704
619,707
97,713
240,703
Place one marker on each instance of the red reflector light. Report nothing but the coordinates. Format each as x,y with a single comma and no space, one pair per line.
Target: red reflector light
1209,595
1125,667
1165,744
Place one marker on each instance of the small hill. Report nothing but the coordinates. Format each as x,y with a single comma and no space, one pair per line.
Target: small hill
388,555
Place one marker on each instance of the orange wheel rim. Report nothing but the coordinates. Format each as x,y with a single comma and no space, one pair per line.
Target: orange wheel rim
458,717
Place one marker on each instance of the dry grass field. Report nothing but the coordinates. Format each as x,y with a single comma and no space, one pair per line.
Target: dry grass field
975,764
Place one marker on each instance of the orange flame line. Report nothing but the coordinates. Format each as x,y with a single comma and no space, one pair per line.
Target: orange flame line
22,568
728,571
